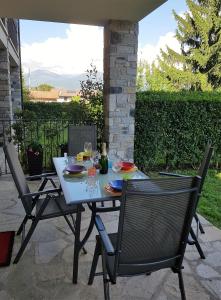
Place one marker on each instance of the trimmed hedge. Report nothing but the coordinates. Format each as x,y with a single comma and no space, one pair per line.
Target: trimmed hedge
172,129
71,110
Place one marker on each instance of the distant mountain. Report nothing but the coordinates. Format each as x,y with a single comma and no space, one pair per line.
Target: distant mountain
66,81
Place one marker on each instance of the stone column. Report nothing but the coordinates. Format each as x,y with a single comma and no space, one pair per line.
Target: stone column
5,89
120,68
15,88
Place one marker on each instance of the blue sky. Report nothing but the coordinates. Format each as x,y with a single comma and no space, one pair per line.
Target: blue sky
37,37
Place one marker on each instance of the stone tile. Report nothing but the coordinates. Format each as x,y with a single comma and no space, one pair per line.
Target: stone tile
217,245
212,234
45,252
214,259
193,290
46,232
214,286
5,296
206,271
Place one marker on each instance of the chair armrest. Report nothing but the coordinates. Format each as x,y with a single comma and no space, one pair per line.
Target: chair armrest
44,192
108,247
172,174
43,175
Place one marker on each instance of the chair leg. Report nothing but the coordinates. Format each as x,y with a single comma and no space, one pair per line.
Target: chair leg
200,225
22,225
94,263
31,230
26,240
181,285
196,243
105,279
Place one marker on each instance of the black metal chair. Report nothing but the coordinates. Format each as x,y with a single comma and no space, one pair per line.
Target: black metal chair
154,223
78,135
203,169
40,205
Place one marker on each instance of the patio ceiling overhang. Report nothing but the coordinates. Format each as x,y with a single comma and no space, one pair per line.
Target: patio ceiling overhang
91,12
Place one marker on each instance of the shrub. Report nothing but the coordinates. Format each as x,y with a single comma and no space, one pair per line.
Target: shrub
172,129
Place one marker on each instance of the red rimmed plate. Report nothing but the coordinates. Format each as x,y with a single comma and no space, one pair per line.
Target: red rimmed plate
126,165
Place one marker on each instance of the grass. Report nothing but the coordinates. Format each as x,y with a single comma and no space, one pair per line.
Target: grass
210,201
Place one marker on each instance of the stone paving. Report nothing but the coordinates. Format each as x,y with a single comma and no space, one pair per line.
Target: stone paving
45,269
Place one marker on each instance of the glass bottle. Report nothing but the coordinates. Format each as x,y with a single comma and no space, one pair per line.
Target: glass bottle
103,162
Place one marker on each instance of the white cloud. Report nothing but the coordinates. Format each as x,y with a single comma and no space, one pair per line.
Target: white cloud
70,55
82,45
150,52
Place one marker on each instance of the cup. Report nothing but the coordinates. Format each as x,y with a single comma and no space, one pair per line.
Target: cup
116,164
70,160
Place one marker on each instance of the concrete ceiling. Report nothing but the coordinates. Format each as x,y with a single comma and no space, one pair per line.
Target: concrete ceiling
91,12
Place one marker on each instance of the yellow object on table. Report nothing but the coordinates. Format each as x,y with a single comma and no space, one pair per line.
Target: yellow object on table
80,156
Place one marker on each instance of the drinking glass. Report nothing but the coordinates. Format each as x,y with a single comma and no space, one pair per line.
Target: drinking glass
85,146
116,165
88,148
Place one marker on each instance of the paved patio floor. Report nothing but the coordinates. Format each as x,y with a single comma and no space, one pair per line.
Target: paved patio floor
45,269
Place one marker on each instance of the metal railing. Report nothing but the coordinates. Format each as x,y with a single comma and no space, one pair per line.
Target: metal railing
51,134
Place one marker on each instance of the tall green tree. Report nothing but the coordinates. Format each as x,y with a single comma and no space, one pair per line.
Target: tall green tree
25,90
198,65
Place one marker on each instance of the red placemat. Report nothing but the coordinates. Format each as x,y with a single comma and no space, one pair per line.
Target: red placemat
6,245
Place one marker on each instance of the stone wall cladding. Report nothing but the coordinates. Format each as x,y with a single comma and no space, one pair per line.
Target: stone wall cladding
5,90
120,69
15,88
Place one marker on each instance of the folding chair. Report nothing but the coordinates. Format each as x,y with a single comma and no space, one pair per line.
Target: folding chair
40,205
202,173
78,135
154,223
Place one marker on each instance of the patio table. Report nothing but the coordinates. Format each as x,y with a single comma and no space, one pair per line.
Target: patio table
89,190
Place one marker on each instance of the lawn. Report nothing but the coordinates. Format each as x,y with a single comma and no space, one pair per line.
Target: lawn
210,201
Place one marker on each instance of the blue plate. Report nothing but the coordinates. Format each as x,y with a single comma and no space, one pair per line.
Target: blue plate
116,185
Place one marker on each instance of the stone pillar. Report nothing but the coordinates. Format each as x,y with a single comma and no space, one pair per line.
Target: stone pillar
15,88
120,68
5,89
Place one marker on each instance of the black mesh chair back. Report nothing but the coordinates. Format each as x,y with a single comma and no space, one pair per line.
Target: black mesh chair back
205,165
78,135
155,220
154,223
18,175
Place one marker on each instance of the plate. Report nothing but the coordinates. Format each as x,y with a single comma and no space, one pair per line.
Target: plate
116,185
125,166
75,169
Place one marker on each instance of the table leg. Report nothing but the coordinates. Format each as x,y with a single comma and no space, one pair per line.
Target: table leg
77,245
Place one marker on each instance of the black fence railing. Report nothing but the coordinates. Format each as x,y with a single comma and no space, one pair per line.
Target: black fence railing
51,134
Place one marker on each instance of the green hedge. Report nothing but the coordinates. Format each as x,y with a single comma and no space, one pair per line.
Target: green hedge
71,110
172,129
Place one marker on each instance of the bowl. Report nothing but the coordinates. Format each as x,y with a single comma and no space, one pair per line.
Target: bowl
75,169
116,184
125,166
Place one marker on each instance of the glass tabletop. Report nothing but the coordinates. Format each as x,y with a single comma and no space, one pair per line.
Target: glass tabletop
88,189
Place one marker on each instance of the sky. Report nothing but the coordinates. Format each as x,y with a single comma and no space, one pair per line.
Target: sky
71,48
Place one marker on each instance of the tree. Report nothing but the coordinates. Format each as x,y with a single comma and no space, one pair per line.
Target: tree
198,65
91,93
44,87
25,90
